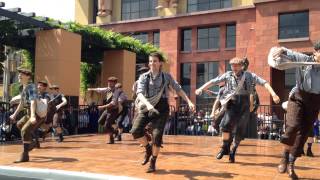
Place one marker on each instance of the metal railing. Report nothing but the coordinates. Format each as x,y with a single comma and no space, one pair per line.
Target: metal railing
266,123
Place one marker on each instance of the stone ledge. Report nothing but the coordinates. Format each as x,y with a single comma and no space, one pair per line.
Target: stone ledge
293,40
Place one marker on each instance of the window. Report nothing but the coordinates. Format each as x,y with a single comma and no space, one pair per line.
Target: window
143,37
135,9
231,36
186,77
206,72
156,39
227,66
294,25
186,40
203,5
290,78
208,38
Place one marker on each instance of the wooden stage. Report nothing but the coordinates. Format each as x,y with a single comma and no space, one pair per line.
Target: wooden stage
183,157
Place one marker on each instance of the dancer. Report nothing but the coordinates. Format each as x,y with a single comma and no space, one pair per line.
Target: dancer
42,94
59,101
28,122
110,113
152,94
303,105
238,87
124,106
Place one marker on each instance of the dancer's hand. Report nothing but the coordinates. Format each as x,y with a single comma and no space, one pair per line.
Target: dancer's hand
12,118
100,107
277,52
191,107
149,107
210,93
198,91
276,99
153,113
251,107
33,120
57,107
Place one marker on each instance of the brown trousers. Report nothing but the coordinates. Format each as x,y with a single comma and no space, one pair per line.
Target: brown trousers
27,128
303,109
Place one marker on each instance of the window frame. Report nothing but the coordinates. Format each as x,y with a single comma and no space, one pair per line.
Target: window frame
294,36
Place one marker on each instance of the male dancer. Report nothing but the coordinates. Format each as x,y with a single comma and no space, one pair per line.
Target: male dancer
27,103
42,94
59,101
238,84
153,93
148,129
303,106
123,111
110,114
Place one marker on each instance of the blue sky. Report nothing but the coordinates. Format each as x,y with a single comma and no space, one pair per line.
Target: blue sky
62,10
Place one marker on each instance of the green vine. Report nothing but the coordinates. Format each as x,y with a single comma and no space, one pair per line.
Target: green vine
28,60
15,89
95,41
88,75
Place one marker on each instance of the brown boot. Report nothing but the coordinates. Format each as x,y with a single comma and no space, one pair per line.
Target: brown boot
292,174
111,139
282,167
152,167
309,152
225,150
147,155
25,155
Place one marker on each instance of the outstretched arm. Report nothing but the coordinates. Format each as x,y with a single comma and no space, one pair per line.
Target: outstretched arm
258,80
211,83
182,94
177,88
99,90
275,97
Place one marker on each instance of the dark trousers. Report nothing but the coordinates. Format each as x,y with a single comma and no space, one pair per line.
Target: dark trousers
236,117
158,123
303,109
122,116
108,118
57,119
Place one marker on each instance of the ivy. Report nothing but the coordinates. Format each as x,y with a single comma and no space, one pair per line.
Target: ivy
88,75
95,41
28,60
15,89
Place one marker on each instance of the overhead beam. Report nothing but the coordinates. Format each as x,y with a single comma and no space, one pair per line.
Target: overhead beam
24,19
16,10
32,14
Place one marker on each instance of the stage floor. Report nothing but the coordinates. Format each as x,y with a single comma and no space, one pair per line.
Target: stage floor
183,157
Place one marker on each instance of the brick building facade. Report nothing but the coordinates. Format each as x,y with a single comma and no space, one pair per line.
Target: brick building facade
199,44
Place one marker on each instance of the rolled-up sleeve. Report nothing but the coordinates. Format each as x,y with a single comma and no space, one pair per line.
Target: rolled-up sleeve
115,97
293,90
297,57
102,90
219,79
141,84
258,80
173,83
